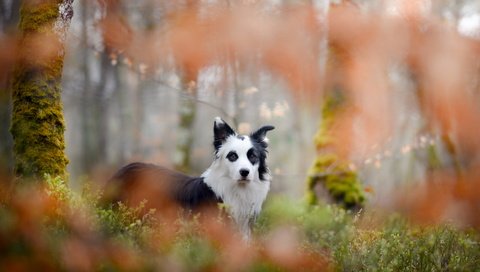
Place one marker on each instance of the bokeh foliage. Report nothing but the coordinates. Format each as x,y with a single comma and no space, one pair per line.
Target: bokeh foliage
56,229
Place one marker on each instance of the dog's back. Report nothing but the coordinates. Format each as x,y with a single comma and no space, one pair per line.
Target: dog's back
161,187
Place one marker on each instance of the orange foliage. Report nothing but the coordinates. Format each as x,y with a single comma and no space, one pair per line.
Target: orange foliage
286,42
444,198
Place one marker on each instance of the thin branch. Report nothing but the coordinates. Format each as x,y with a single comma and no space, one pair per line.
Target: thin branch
163,83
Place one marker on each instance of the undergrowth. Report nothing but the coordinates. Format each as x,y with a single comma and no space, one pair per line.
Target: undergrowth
54,228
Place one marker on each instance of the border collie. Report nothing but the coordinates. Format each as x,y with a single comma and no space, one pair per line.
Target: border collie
238,177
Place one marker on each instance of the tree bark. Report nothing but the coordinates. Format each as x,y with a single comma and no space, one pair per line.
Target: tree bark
37,119
9,13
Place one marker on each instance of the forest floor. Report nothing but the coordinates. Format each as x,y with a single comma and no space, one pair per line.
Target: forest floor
54,228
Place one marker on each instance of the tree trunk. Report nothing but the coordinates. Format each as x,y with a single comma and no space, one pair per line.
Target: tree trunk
37,119
187,112
8,19
330,177
86,115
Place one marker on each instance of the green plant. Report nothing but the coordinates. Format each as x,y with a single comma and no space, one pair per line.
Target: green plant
55,228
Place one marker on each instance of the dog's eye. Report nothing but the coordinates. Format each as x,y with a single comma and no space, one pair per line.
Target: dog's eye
252,157
232,156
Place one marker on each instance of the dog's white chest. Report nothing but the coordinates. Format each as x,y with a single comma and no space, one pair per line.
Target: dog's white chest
243,201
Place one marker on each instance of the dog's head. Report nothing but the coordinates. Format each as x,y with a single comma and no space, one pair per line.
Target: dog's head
242,156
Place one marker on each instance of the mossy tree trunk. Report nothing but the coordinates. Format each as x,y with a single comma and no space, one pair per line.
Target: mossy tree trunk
37,119
330,177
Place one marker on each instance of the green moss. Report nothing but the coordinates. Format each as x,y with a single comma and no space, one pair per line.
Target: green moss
322,140
345,188
38,17
341,182
38,125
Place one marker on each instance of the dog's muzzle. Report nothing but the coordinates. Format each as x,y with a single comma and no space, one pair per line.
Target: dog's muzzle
243,181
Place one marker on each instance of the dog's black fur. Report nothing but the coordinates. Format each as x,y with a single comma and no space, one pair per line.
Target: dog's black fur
260,147
186,191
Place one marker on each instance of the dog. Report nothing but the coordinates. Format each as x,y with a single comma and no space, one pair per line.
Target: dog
238,177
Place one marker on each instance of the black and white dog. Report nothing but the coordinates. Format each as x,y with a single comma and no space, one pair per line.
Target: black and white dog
238,177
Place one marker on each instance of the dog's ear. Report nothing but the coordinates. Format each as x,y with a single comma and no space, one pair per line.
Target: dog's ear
261,133
221,131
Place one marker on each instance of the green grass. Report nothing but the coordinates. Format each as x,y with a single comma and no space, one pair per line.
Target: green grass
394,245
54,228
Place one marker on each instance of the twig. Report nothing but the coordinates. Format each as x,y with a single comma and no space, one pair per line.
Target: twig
163,83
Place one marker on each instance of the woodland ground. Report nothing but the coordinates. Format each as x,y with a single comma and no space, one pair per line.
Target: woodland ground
39,226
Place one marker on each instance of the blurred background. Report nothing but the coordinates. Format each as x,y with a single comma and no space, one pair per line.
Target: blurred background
122,108
143,81
376,105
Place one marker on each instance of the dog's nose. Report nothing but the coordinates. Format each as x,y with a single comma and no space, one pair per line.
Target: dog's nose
244,172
